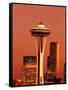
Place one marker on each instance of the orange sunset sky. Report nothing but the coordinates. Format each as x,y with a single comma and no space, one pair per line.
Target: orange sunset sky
25,17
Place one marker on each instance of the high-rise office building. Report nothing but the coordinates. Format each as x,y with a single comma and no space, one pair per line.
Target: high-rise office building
54,56
29,71
53,60
53,47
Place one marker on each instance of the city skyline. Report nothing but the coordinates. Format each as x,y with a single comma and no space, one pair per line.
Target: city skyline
29,72
24,18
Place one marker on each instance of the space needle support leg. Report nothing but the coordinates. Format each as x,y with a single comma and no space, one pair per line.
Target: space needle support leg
42,48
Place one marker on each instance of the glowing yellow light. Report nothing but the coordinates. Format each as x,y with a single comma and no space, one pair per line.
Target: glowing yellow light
19,80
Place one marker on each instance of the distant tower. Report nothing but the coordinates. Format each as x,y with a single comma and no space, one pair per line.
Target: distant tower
40,32
54,57
53,62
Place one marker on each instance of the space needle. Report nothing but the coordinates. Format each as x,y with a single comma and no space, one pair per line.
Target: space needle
40,31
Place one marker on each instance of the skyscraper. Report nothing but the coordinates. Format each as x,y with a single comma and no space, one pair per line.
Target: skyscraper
53,49
53,59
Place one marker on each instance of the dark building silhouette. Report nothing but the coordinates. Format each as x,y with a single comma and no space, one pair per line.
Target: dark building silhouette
51,60
49,78
57,80
53,53
29,60
52,63
49,63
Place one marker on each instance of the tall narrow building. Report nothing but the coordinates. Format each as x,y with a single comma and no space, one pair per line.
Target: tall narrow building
53,52
54,57
53,62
